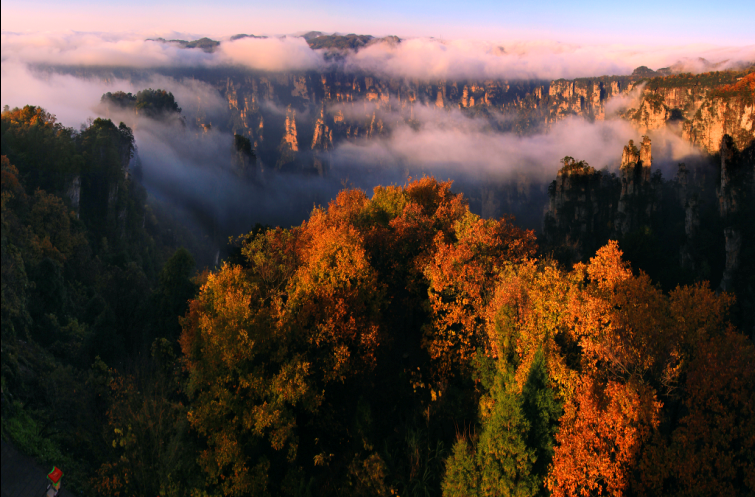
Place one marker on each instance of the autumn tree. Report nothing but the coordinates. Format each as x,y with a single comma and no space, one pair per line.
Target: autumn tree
462,275
637,347
264,342
578,381
602,432
710,448
308,311
527,315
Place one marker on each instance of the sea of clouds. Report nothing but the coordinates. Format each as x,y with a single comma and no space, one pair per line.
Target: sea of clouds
415,57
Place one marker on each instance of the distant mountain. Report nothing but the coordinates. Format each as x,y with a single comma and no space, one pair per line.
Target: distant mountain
312,35
646,72
240,36
350,41
345,42
206,44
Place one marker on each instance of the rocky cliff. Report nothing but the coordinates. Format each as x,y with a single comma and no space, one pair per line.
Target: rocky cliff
736,192
584,97
637,200
588,207
696,226
703,108
336,106
700,108
289,144
725,110
581,211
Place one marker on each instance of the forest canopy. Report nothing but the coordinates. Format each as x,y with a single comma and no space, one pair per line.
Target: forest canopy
310,354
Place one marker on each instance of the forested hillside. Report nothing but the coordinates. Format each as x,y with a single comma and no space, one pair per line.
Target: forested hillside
92,275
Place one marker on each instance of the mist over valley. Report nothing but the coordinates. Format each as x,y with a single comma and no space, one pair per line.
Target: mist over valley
507,250
325,111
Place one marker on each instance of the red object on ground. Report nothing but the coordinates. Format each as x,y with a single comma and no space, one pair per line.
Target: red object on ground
55,475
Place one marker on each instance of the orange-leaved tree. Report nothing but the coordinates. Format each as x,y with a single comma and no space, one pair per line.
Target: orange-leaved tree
263,341
601,435
282,339
637,346
462,278
710,449
526,314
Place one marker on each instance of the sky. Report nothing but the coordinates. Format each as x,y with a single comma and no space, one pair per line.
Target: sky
576,21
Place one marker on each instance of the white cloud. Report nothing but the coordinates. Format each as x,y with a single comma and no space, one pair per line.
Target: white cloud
75,99
621,102
463,59
448,143
96,49
271,54
423,58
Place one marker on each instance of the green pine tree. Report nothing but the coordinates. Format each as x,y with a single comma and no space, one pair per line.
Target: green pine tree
503,457
543,412
502,462
461,472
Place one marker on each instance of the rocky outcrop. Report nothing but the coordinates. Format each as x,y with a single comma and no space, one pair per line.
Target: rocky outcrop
719,116
289,145
581,210
689,200
243,161
733,248
653,114
736,194
355,106
696,227
583,97
702,108
322,141
322,138
637,200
